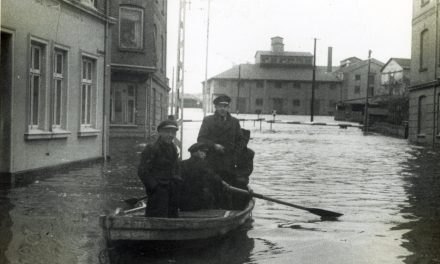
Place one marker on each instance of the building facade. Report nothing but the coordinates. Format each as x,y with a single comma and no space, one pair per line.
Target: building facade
139,86
53,82
353,72
424,93
279,80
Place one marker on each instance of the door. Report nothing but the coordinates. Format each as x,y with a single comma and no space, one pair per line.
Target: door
5,101
278,105
123,103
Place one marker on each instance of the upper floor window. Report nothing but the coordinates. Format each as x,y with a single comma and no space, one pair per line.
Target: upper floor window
131,21
423,50
357,89
259,84
277,84
297,85
296,102
332,86
259,101
357,77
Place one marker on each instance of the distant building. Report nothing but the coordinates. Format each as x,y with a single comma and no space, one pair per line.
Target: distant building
353,72
424,93
139,86
52,82
279,80
395,76
192,101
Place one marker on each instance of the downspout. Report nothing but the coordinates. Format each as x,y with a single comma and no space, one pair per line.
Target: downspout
435,76
105,128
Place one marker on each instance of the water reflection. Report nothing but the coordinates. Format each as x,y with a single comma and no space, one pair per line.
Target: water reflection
422,174
5,223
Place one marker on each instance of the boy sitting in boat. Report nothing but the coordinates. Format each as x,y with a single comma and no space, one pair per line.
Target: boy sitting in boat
243,169
201,186
159,172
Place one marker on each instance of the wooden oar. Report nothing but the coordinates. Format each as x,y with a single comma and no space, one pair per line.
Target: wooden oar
133,201
325,214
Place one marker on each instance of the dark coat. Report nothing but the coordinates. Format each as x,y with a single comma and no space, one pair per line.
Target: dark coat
244,167
158,164
200,185
227,133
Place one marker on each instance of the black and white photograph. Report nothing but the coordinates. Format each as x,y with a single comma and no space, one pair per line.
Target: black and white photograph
219,132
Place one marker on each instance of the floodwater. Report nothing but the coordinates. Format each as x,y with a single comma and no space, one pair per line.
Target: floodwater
387,189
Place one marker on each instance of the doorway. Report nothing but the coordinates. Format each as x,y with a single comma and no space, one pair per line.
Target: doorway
5,101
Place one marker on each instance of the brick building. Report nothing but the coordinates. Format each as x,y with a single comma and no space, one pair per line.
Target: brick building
424,93
139,86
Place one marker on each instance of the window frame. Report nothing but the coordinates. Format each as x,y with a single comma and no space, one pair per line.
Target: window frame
88,121
142,14
63,78
422,61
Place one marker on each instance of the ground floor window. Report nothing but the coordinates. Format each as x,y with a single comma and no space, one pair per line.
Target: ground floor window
123,104
37,85
59,87
421,115
88,86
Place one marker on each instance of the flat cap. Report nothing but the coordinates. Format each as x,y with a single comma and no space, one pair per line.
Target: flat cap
222,99
198,146
167,124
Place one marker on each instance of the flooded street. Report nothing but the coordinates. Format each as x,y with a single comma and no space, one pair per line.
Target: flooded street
388,191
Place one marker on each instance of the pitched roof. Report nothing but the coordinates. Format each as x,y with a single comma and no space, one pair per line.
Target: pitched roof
359,64
255,72
405,63
284,53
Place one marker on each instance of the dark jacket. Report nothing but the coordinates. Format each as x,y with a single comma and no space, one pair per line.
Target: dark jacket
200,185
158,164
227,132
244,167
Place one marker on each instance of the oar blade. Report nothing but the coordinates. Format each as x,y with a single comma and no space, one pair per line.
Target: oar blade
325,214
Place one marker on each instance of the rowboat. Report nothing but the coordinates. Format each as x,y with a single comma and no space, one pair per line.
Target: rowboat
131,225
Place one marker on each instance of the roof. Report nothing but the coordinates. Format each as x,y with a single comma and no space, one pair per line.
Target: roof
255,72
284,53
359,64
404,62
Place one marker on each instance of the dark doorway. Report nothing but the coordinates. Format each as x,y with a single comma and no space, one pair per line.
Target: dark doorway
5,101
278,105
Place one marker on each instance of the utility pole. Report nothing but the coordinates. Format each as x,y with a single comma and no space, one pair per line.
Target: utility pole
312,102
366,94
180,72
172,94
205,84
238,87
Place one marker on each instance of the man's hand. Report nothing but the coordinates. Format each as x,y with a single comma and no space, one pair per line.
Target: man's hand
219,148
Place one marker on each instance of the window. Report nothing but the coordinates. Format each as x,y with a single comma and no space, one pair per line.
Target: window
421,115
423,50
222,83
36,85
130,28
371,90
259,84
154,107
333,86
259,101
277,84
357,89
123,104
357,77
162,54
332,104
59,89
296,102
87,92
297,85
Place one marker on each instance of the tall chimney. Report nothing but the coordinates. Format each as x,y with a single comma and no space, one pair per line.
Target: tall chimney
329,59
277,44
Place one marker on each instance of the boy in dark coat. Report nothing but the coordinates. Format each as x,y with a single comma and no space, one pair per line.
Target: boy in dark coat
243,169
200,184
159,172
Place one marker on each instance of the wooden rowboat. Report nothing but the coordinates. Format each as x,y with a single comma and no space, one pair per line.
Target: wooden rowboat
204,224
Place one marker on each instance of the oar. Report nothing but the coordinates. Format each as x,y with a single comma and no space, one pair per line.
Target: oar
325,214
133,201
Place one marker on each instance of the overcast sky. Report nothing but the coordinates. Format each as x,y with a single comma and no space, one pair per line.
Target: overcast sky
238,28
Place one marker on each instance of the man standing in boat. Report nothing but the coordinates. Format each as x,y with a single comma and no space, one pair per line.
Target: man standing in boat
221,132
159,172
